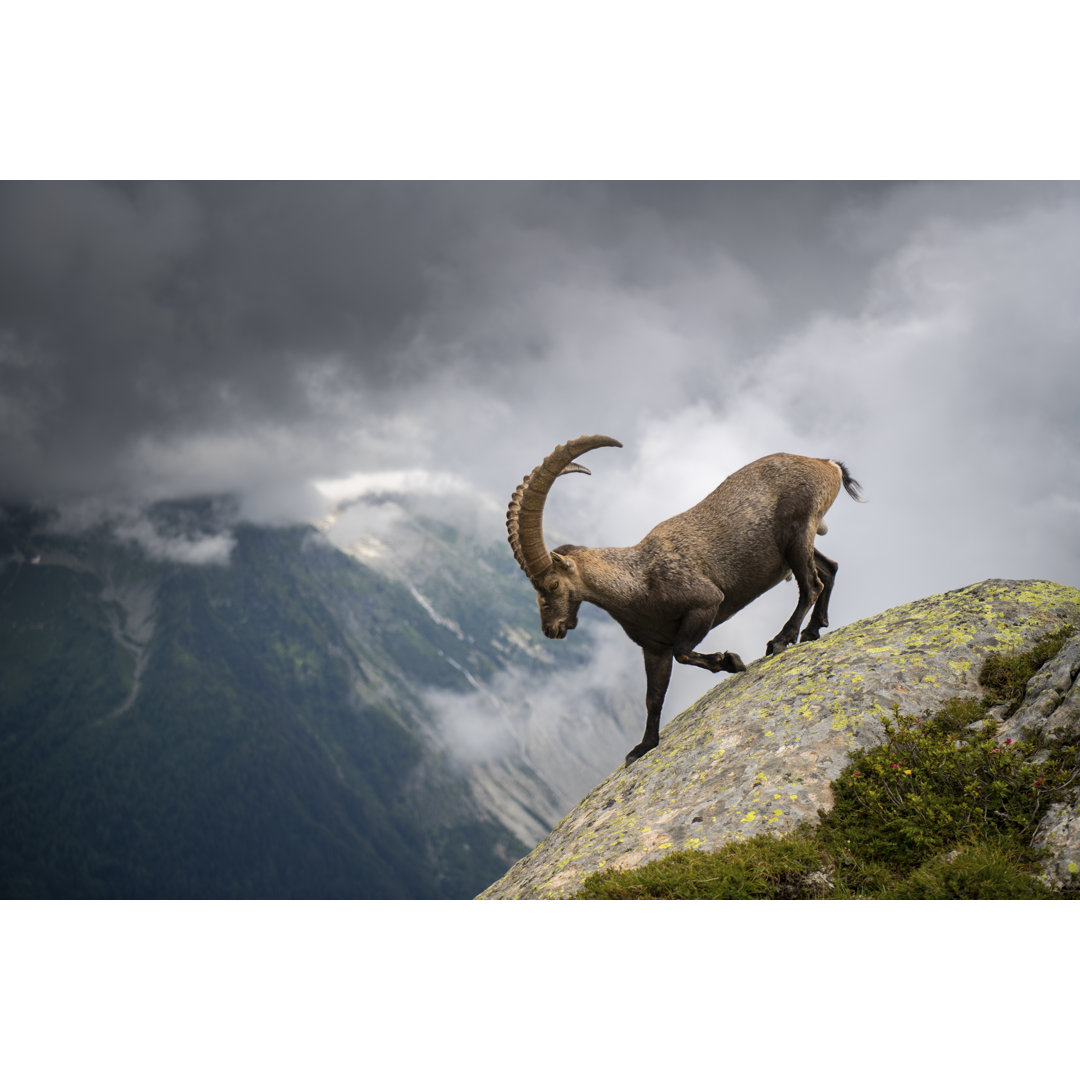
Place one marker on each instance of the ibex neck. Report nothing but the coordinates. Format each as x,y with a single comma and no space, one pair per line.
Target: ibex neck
610,577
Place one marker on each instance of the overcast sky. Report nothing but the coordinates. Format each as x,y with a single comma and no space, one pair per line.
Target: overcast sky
168,340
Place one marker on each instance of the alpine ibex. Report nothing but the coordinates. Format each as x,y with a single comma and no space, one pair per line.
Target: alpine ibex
693,571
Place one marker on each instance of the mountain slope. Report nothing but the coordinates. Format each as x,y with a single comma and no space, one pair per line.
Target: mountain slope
536,722
243,730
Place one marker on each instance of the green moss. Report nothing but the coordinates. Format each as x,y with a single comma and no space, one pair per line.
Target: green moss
941,810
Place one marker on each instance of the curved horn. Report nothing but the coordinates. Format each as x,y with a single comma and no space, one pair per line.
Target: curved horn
525,515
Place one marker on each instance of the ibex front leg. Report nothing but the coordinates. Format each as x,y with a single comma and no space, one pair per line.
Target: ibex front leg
695,625
657,675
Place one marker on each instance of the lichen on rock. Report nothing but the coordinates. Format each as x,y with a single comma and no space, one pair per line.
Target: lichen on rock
757,753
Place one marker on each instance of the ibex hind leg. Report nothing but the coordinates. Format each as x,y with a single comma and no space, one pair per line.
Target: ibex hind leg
826,571
803,566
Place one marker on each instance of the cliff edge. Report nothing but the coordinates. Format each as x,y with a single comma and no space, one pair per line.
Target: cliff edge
758,752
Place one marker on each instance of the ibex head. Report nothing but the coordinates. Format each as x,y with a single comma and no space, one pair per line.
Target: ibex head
558,593
554,574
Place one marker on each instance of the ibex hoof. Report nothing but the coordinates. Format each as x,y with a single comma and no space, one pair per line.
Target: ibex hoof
639,751
733,662
777,645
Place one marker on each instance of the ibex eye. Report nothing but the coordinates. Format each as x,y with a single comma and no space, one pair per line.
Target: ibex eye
555,585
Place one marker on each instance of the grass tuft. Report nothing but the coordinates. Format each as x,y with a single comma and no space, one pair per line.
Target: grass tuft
1005,678
762,868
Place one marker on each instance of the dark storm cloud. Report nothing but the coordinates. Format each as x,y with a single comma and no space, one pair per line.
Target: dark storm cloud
163,310
135,318
166,340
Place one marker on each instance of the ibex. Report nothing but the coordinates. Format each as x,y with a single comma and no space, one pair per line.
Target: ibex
693,571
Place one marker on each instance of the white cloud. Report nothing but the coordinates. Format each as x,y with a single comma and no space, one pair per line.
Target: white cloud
950,392
391,482
202,550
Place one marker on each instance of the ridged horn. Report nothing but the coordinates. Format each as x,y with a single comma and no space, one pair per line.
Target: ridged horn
525,515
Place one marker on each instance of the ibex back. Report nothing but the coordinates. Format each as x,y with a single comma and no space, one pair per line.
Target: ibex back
693,571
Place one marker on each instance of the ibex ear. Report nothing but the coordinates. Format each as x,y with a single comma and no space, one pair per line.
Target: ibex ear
561,562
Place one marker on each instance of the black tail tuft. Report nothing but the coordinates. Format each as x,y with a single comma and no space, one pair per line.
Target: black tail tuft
851,485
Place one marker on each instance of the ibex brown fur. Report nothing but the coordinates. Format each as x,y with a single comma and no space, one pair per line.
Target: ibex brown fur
693,571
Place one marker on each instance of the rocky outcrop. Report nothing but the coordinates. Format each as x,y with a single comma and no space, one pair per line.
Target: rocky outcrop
1051,707
758,752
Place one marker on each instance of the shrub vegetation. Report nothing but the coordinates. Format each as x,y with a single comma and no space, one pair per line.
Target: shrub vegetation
942,810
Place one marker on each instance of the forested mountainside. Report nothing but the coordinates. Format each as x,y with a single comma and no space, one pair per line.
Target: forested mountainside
257,725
